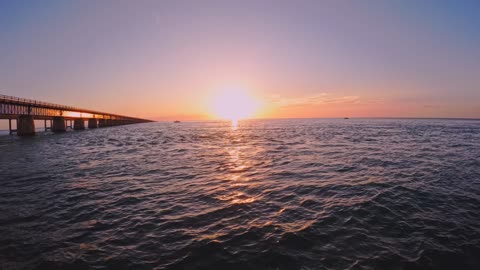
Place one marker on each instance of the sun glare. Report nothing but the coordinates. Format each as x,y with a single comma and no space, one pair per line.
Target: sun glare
233,105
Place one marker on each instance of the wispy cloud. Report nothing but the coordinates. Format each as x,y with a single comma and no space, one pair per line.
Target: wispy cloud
318,99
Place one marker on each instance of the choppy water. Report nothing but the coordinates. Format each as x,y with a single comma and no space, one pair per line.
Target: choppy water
279,194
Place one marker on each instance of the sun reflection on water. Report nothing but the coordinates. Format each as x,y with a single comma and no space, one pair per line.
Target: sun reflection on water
234,123
238,161
237,197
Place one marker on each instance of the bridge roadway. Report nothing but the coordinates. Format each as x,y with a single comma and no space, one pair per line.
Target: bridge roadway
25,111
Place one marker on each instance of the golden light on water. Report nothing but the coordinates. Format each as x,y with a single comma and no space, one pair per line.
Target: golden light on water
233,105
234,124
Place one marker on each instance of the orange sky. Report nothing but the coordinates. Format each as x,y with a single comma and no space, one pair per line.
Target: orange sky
168,60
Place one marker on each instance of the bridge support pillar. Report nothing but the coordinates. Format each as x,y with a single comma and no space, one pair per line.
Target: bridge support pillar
46,125
102,123
92,123
78,124
58,124
25,125
10,130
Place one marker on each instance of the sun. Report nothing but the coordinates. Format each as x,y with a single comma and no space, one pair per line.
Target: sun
233,104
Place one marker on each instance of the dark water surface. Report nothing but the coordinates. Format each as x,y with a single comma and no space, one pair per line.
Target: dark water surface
278,194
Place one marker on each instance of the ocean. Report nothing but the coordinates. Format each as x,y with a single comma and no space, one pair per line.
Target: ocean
265,194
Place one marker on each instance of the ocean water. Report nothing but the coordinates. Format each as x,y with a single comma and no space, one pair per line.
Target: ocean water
266,194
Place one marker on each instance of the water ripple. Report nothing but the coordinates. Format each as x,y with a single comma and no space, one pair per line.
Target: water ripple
270,194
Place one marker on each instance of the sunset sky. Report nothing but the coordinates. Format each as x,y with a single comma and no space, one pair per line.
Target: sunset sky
172,59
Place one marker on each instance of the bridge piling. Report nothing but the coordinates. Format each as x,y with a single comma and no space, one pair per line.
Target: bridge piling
92,123
46,125
10,126
102,123
25,125
58,124
79,124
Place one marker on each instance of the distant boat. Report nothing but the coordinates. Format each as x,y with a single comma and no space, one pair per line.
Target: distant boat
346,118
176,121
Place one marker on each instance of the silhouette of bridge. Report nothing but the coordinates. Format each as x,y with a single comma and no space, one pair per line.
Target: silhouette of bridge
60,117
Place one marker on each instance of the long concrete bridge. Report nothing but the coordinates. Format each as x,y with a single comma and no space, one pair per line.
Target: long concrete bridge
59,117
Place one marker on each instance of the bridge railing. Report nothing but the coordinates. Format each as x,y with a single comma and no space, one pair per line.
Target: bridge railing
35,102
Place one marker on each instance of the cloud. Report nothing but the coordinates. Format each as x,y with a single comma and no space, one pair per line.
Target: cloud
319,99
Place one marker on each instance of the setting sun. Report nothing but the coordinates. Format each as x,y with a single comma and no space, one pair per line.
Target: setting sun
240,134
233,105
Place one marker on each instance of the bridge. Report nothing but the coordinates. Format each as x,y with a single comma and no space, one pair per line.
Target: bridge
59,117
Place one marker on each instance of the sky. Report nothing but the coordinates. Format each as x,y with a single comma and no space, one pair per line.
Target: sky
167,60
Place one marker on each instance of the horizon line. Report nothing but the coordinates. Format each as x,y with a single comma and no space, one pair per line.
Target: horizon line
343,118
